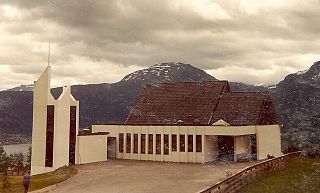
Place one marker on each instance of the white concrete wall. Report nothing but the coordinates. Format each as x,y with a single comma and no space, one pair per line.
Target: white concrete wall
92,148
208,133
268,141
62,128
174,156
41,98
242,145
211,148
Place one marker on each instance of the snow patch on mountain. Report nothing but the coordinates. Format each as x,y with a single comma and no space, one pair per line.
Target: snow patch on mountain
302,72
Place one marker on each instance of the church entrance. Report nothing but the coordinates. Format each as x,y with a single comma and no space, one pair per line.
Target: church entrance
226,148
111,147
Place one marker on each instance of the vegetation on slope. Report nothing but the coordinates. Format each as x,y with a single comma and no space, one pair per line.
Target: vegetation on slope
38,181
298,176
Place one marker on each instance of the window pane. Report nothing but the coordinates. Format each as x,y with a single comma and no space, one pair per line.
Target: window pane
199,143
174,143
135,143
190,143
158,143
121,137
166,144
182,143
128,150
150,148
143,143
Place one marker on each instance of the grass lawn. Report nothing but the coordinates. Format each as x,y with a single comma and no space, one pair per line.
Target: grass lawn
299,176
39,181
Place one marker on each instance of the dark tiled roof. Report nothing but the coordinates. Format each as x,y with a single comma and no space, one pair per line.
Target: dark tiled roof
245,108
167,103
201,103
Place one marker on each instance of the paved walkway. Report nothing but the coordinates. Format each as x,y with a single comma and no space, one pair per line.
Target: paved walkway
128,176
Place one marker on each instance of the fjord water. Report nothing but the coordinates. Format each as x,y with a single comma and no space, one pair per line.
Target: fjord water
17,148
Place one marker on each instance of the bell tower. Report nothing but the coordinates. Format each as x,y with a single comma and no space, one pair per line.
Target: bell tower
55,126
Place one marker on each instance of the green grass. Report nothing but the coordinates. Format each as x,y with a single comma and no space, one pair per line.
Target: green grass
39,181
299,176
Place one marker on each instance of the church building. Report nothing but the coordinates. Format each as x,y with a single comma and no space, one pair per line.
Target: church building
196,122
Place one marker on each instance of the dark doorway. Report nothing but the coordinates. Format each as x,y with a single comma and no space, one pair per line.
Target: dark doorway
112,146
226,148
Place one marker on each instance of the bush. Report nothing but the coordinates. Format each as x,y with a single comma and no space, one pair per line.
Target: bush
4,160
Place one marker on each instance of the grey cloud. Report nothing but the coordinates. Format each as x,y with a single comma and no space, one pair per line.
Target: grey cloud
141,33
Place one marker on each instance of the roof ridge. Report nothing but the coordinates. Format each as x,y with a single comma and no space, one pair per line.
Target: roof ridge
217,103
205,81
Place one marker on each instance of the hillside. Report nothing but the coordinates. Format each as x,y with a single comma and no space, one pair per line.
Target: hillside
99,103
296,99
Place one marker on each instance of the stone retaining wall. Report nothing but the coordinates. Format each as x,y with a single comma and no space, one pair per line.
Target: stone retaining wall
234,183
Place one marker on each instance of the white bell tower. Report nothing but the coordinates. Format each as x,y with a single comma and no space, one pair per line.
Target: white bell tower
55,127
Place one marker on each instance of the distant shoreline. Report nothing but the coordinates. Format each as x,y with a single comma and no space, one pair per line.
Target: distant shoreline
14,139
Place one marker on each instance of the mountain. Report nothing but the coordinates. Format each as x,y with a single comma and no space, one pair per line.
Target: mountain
99,103
22,88
297,100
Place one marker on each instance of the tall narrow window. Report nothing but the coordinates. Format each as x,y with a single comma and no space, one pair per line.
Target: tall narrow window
198,143
182,143
150,147
135,143
49,136
174,143
190,143
121,140
166,144
143,143
158,143
72,135
128,147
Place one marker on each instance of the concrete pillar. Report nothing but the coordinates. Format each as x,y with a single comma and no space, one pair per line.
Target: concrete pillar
139,146
202,143
170,146
124,145
147,146
194,157
178,146
131,154
162,146
154,147
235,148
186,147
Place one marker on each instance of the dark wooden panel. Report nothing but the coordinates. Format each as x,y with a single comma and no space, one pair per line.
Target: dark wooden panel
72,135
49,136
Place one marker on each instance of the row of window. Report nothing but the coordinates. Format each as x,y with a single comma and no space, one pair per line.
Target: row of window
174,145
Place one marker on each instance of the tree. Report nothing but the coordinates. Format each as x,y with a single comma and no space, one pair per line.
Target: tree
4,163
28,160
17,161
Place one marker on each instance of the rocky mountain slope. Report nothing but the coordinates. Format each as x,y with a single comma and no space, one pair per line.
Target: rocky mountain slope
297,99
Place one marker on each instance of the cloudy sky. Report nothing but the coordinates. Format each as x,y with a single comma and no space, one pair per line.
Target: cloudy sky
96,41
